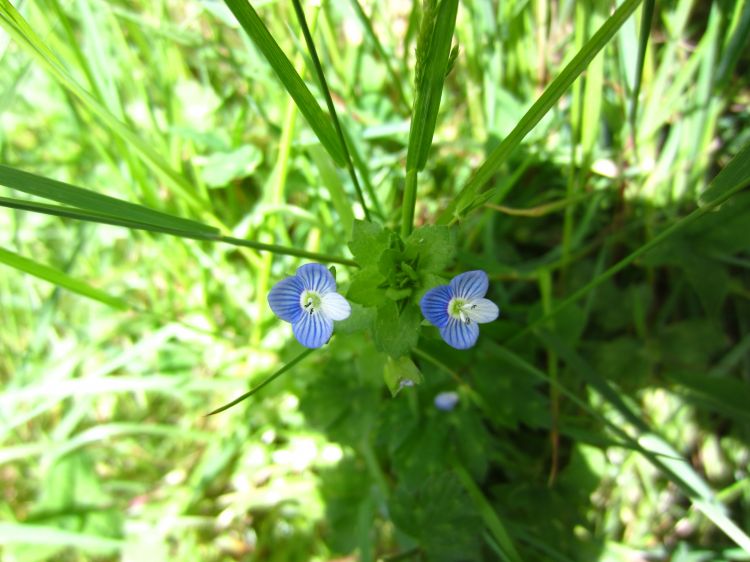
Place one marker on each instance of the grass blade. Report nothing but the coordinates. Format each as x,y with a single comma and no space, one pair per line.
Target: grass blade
465,200
329,102
265,382
20,533
67,194
60,279
318,121
433,53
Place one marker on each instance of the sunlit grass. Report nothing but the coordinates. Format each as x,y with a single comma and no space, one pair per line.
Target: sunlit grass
603,417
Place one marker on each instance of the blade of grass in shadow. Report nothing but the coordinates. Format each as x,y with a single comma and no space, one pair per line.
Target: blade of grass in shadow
60,279
261,37
467,199
734,177
433,55
653,446
645,31
265,382
489,515
329,102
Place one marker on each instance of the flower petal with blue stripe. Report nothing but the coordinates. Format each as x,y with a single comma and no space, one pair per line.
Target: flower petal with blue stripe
458,308
309,301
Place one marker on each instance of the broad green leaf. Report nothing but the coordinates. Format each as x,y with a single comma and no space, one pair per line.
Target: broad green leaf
318,121
369,241
60,279
434,245
400,373
366,287
464,201
396,333
220,168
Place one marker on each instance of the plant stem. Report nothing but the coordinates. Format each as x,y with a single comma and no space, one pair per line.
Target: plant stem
410,201
276,249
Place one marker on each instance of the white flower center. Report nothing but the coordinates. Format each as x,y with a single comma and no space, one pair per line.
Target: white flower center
458,309
310,301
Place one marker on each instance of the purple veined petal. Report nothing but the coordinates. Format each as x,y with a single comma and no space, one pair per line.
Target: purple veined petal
434,305
313,330
481,310
470,285
460,335
335,307
315,277
284,299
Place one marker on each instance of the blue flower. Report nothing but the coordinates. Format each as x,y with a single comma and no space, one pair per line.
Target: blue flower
310,302
458,308
446,401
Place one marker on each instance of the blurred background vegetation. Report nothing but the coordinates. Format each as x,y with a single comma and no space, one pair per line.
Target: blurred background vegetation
596,421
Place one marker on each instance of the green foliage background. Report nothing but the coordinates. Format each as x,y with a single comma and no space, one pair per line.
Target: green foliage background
164,163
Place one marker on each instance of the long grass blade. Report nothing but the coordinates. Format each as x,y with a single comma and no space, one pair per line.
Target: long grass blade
464,202
264,383
329,102
318,121
60,279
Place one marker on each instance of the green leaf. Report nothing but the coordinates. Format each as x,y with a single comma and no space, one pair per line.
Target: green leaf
464,201
736,173
397,333
365,288
440,515
60,279
369,241
434,245
318,121
220,168
400,373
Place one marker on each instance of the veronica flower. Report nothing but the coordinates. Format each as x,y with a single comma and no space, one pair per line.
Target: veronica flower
446,401
457,309
310,302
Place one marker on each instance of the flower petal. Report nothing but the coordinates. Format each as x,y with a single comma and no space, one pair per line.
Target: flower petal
284,299
335,307
313,330
470,285
446,401
481,310
315,277
460,334
434,305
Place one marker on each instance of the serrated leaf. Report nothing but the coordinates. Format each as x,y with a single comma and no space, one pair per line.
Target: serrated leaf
441,516
435,246
396,334
369,241
365,287
401,373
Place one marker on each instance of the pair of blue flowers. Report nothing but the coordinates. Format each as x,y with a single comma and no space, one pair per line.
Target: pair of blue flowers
309,301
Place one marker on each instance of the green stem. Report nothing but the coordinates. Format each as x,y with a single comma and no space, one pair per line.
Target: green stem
267,381
410,201
276,249
329,102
